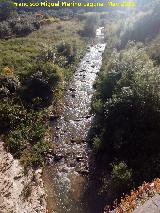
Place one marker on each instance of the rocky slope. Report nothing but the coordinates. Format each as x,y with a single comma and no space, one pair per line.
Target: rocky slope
144,199
150,206
20,192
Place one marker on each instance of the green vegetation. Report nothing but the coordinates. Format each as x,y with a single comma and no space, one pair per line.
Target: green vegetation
126,131
119,180
144,26
16,24
6,9
21,53
38,84
23,129
34,70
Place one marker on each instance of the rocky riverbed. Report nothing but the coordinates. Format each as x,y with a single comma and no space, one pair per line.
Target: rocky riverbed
70,166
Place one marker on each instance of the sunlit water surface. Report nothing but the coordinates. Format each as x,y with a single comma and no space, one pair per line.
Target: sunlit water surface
68,177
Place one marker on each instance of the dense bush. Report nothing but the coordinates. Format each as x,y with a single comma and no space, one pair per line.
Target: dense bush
6,9
48,55
36,156
8,85
24,116
5,29
38,85
11,115
26,140
10,110
119,181
23,127
22,29
66,54
118,70
127,103
19,25
16,143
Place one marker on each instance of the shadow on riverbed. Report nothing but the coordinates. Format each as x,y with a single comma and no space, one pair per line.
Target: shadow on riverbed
94,197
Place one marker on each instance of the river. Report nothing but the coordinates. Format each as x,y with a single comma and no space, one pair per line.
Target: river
68,176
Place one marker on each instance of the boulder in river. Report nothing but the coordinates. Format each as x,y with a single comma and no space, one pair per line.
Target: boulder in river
87,116
79,157
72,89
84,172
58,156
82,169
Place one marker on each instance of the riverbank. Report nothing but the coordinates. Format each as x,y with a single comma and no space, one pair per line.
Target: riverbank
46,55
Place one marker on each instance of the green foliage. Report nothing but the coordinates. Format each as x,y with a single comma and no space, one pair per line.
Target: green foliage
119,181
5,30
47,55
97,144
119,70
128,116
22,29
21,53
19,25
63,54
97,105
23,128
121,173
25,140
16,142
11,115
33,82
66,54
36,156
6,9
38,85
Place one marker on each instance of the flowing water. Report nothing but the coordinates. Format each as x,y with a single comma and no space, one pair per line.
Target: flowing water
69,174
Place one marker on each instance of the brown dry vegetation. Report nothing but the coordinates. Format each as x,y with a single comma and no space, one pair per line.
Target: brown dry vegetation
136,198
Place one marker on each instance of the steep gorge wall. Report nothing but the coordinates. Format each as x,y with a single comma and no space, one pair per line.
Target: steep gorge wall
19,192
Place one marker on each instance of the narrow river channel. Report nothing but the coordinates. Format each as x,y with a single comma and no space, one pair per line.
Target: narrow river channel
68,177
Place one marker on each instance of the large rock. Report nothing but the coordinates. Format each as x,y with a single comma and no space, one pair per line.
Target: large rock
20,192
150,206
